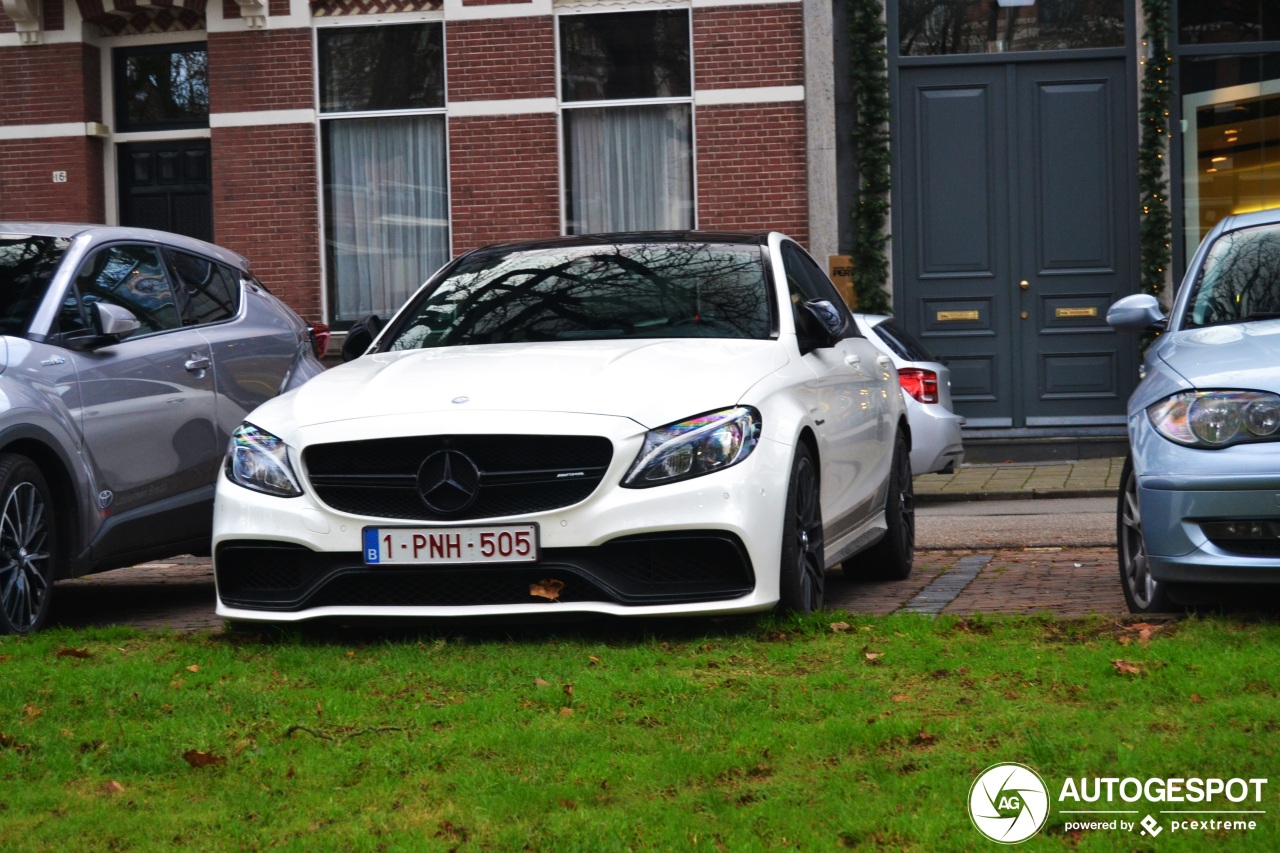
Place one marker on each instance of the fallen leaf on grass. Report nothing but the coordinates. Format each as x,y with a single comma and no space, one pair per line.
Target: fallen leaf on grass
193,668
1196,698
900,697
924,738
540,683
566,712
840,627
592,660
11,742
873,656
1124,667
74,653
196,758
548,588
113,787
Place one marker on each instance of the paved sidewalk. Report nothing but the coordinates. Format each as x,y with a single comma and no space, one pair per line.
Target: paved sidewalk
1086,478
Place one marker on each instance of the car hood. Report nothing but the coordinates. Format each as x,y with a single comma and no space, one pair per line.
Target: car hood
653,382
1241,355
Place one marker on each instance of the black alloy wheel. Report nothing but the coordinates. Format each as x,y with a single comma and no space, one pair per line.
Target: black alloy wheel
892,558
803,567
27,543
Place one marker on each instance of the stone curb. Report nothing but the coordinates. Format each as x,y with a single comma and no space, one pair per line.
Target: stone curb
1020,495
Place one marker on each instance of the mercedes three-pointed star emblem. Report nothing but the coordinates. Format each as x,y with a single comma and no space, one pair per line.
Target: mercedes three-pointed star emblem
448,481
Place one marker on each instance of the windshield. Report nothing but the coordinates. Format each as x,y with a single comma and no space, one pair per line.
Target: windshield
27,264
1240,279
670,290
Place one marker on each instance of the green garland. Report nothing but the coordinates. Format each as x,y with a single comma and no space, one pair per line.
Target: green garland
868,69
1155,227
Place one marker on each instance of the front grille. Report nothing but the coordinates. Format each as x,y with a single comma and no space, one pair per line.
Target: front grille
518,474
631,571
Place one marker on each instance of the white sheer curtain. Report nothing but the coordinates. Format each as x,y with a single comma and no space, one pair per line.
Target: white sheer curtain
387,210
629,168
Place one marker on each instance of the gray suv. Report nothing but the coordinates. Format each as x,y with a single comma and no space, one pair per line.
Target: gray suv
127,356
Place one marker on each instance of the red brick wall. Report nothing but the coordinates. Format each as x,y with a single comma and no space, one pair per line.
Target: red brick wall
266,207
51,84
751,169
260,70
27,190
504,179
741,47
500,59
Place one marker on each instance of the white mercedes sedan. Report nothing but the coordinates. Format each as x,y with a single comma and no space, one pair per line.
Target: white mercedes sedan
636,424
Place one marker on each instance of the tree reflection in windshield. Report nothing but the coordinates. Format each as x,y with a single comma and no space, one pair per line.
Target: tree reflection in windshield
27,263
1240,279
596,293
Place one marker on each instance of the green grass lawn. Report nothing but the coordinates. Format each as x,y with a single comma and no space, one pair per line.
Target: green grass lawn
739,736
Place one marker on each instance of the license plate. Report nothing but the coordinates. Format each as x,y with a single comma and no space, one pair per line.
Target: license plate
418,546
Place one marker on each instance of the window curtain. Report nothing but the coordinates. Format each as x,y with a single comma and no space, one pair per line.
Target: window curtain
387,211
629,168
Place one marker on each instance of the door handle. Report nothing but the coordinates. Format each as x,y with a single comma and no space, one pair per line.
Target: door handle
1024,284
198,363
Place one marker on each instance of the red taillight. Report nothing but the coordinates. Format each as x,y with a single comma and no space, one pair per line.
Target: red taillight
319,334
921,384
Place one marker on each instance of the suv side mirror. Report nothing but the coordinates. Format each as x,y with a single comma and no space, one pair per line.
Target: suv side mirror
111,325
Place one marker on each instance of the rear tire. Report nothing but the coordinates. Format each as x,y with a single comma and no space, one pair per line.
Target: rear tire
28,546
892,558
802,568
1142,593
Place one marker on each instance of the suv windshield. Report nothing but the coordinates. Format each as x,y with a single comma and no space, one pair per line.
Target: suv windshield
669,290
1240,279
27,263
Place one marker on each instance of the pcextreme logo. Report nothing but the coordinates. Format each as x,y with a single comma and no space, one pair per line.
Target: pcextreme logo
1008,803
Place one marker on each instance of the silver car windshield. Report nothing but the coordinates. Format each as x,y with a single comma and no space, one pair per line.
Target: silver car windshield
1240,279
27,265
669,290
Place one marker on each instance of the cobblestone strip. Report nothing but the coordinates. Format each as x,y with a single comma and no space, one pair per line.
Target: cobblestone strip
947,586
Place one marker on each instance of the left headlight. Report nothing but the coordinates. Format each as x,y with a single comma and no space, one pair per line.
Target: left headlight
1212,419
259,460
693,447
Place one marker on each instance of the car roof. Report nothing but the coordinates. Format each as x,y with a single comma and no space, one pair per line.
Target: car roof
633,238
98,234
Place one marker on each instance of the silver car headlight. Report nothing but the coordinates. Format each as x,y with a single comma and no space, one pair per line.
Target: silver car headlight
259,460
1212,419
693,447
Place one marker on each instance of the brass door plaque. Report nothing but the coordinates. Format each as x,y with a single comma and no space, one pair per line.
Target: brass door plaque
958,316
1071,313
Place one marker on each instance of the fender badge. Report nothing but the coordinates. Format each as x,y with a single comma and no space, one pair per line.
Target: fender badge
104,498
460,400
51,362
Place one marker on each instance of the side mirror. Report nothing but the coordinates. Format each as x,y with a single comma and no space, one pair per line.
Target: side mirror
361,336
818,325
1139,312
111,325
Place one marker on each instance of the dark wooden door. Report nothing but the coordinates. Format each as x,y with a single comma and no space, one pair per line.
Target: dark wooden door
1016,214
167,185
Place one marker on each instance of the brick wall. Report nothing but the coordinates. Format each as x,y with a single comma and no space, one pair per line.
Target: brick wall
27,191
260,70
500,59
739,47
51,84
504,179
265,207
751,169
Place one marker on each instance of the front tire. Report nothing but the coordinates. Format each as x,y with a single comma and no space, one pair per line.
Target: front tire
27,546
892,558
802,569
1142,593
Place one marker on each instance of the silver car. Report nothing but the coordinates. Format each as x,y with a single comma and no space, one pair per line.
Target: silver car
1200,497
127,356
936,446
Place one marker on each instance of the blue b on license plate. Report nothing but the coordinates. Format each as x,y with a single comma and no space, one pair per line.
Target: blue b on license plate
418,546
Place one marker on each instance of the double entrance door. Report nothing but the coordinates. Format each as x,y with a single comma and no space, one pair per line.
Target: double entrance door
1015,229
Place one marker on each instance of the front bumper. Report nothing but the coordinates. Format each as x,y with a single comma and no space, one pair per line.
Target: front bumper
709,545
1181,490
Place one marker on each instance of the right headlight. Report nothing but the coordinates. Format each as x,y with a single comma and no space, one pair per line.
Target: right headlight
693,447
1213,419
259,460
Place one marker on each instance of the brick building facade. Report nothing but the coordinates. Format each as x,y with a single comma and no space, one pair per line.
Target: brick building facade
324,140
